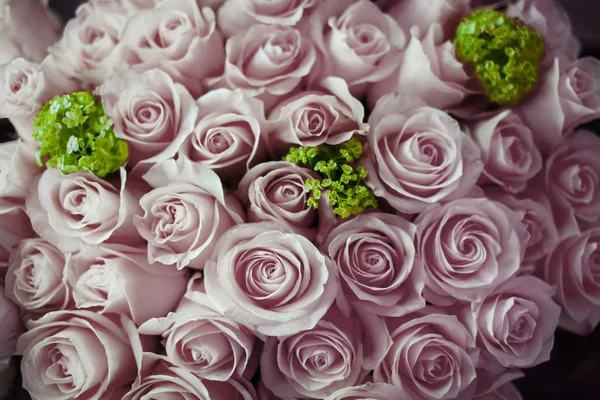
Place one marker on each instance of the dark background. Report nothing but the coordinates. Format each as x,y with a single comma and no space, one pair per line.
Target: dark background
574,370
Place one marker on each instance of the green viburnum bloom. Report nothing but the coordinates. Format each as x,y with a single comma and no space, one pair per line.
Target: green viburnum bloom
75,135
342,182
504,52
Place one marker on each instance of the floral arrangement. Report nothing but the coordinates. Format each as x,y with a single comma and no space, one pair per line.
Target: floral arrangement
294,199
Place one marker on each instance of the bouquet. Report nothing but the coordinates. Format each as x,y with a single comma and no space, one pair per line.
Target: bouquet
294,199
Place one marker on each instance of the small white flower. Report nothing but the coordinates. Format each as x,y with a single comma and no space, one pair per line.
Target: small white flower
54,107
72,145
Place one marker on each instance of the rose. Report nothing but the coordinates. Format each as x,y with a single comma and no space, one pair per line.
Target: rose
17,39
237,16
273,282
196,337
505,392
551,21
274,191
572,177
418,155
573,268
71,211
86,51
329,115
151,112
510,158
13,185
374,254
516,322
175,36
228,135
36,277
185,214
432,356
76,354
317,362
14,227
374,391
10,325
568,96
267,62
468,247
117,279
428,70
356,41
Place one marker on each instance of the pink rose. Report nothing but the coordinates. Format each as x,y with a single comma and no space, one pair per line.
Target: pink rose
433,356
573,269
13,183
229,133
356,41
415,13
516,322
117,279
151,112
185,214
329,115
273,282
418,155
510,158
17,36
10,325
467,248
76,354
316,363
505,392
551,21
79,209
87,50
237,16
36,277
373,391
274,191
375,255
175,36
572,177
428,70
14,227
568,96
267,62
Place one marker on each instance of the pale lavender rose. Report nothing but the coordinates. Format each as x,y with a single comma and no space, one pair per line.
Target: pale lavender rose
14,227
572,178
416,13
327,115
77,355
185,214
86,52
568,96
150,111
177,36
507,391
36,277
228,135
468,247
356,41
117,279
433,356
237,16
417,155
516,323
274,191
267,62
551,21
79,209
574,269
14,186
375,256
275,283
11,326
428,70
510,158
373,391
27,29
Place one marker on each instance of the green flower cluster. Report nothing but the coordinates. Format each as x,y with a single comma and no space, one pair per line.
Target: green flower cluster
342,183
504,52
75,135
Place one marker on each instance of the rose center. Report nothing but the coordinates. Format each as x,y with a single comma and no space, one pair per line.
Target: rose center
218,141
321,360
148,114
19,83
92,35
